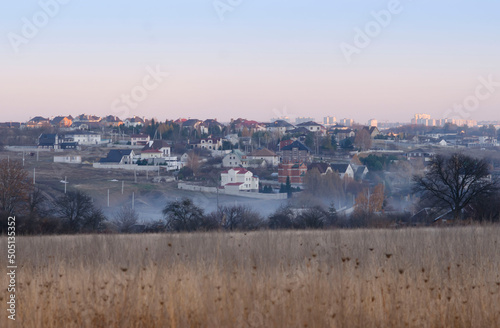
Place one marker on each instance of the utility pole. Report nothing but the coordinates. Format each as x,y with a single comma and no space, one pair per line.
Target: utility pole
34,173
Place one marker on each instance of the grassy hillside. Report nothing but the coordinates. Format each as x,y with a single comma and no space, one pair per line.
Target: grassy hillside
364,278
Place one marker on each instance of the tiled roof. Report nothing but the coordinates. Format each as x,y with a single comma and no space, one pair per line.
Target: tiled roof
341,168
115,155
296,144
263,152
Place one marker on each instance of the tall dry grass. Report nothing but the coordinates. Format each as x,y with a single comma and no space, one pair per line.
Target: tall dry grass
446,277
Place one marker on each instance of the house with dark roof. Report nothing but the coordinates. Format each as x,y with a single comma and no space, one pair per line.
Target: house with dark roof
118,156
372,131
296,152
360,171
279,126
323,168
344,170
194,124
49,141
134,121
38,122
312,127
212,126
111,120
299,131
61,121
344,134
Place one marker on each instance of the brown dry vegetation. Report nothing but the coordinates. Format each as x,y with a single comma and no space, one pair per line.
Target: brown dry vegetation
447,277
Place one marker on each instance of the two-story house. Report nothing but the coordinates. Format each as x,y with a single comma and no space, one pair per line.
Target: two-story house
239,179
139,139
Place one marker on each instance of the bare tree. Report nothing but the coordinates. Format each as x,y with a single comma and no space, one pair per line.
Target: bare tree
455,182
282,218
183,215
312,218
14,187
125,218
239,217
368,202
193,162
78,212
363,139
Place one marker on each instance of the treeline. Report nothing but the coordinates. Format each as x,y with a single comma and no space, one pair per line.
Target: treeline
74,213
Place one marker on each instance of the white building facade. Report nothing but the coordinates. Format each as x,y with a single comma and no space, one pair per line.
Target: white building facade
239,179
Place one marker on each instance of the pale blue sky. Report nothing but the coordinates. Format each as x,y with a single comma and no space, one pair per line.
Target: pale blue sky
265,58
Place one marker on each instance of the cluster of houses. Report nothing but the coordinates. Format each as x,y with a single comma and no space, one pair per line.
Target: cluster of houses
83,122
291,159
153,153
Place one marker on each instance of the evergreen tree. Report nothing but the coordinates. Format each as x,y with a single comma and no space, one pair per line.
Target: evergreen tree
288,187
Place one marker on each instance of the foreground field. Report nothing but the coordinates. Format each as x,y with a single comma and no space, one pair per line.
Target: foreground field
365,278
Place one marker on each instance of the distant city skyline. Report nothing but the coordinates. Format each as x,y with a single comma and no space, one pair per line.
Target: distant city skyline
383,60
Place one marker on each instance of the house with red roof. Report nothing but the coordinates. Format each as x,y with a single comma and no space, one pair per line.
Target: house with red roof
239,179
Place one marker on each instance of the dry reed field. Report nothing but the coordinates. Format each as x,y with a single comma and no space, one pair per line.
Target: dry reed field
446,277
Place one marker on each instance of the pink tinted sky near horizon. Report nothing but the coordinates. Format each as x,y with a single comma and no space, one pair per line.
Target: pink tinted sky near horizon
263,60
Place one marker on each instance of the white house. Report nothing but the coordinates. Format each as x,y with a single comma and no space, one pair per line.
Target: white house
160,145
133,121
68,159
151,153
312,127
279,126
139,139
267,155
239,179
209,143
157,152
234,159
85,138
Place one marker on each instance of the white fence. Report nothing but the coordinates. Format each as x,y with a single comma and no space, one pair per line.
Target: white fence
130,167
191,187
